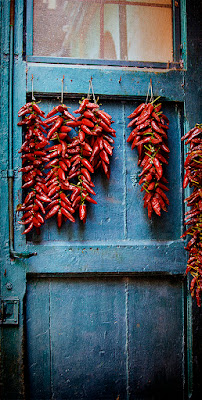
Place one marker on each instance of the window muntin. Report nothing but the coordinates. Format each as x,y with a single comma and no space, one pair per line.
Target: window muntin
125,30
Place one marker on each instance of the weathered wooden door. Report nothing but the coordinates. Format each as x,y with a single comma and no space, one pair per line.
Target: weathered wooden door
103,307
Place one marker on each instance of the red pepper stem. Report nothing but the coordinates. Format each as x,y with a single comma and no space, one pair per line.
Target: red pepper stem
152,102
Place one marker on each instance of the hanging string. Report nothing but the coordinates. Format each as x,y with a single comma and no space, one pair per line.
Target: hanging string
152,98
91,89
150,91
32,79
62,89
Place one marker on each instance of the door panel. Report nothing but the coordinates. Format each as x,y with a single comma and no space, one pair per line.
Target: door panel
142,354
118,236
119,199
104,338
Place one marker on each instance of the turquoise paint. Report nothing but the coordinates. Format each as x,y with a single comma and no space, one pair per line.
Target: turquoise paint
88,334
183,13
81,256
29,30
134,83
143,257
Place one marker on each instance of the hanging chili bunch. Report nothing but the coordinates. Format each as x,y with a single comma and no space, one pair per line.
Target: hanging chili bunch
60,175
149,135
34,157
57,178
93,138
193,217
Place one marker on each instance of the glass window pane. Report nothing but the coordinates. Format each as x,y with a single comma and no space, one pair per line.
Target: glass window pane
149,34
103,29
111,32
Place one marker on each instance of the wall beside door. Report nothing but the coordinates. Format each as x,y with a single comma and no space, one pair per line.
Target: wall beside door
193,112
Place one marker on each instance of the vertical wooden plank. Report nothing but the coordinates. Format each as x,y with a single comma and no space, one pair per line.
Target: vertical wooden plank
11,363
38,340
156,341
183,16
88,339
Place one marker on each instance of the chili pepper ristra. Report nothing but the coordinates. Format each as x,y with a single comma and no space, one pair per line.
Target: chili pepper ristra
149,134
193,217
34,157
57,175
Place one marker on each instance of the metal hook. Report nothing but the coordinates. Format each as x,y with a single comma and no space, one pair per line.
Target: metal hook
32,79
62,89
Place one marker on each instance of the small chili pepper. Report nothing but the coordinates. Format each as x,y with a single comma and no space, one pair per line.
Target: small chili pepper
76,201
52,211
87,164
82,106
104,156
43,197
40,205
156,206
67,214
82,212
90,200
37,109
59,218
105,119
157,129
137,111
29,228
61,174
68,115
92,106
88,188
28,184
163,195
26,221
67,207
87,122
158,167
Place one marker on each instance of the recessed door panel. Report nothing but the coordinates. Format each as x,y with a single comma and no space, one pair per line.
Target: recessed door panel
104,338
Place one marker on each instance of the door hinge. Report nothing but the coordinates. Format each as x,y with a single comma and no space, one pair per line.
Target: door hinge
9,312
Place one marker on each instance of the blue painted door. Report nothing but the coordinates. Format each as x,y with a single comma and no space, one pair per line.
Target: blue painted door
103,306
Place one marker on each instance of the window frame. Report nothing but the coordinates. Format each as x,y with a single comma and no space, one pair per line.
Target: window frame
179,45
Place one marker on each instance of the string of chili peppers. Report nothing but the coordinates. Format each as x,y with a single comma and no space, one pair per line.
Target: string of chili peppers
59,165
193,217
93,137
34,157
67,185
149,135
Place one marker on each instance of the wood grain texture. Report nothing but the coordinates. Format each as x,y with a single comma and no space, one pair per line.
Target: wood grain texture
101,341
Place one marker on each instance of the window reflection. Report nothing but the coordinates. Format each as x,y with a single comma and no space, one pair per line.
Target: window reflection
103,29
